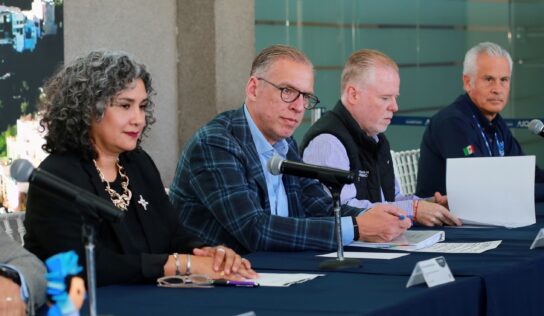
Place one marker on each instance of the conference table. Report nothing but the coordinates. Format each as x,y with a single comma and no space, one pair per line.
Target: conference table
508,280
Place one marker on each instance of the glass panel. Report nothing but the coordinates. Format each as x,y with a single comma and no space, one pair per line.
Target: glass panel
528,51
427,38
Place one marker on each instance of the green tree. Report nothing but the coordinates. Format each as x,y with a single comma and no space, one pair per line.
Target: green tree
24,86
3,147
24,107
10,131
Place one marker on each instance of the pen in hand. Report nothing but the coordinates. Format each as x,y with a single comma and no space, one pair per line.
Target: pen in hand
402,217
223,282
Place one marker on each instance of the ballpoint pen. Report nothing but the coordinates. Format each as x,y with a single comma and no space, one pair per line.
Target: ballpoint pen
235,283
402,217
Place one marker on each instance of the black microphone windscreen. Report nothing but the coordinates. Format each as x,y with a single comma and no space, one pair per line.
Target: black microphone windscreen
536,126
21,169
274,165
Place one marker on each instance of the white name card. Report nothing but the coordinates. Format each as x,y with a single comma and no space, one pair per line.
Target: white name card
434,272
539,240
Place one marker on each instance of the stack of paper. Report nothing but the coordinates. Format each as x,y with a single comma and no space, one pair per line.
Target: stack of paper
462,247
409,241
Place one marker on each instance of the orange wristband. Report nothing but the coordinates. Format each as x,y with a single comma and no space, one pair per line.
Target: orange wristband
415,205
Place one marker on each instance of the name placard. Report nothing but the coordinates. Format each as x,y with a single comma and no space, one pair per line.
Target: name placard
539,240
434,272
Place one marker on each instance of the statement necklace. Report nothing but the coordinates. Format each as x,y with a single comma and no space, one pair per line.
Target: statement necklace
121,201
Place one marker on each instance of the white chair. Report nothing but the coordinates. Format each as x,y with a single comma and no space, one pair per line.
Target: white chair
12,224
405,167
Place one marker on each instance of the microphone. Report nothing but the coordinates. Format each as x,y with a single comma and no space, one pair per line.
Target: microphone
536,127
328,176
22,171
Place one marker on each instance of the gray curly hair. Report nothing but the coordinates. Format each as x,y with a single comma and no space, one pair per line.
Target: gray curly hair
79,92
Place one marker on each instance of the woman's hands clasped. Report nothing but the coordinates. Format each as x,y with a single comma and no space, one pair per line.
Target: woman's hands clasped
221,262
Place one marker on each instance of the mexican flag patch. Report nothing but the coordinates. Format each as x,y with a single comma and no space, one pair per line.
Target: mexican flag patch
469,150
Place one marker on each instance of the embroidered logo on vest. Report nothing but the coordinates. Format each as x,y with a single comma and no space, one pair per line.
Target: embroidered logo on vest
363,173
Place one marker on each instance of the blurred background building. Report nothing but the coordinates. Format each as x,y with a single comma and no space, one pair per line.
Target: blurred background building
200,51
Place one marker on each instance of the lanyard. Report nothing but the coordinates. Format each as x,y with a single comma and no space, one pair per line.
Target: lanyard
499,143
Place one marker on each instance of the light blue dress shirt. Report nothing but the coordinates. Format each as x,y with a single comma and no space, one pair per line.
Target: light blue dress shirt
24,289
274,184
327,150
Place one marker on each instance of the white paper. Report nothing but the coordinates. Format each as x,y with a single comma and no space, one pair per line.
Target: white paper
471,226
367,255
410,240
434,272
464,247
492,190
284,279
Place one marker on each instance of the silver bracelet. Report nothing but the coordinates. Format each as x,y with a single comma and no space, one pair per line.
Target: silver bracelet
188,269
178,265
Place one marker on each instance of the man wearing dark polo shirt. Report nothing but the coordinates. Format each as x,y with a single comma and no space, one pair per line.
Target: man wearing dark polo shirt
472,125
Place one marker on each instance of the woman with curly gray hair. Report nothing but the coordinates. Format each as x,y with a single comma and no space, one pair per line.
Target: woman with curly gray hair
95,112
81,91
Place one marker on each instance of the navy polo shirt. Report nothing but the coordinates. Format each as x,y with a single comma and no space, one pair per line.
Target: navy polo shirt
458,131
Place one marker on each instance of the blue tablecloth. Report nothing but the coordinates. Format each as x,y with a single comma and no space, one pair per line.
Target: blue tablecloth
333,294
508,280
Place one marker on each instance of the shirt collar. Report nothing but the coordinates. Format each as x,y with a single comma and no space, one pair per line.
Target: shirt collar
484,122
261,144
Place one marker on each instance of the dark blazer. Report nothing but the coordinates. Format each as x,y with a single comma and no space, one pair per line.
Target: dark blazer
220,190
54,225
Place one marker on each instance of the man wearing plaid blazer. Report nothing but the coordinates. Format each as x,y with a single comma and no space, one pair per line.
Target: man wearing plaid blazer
226,193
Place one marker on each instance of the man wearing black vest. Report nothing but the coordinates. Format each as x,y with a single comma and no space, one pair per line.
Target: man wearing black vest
351,137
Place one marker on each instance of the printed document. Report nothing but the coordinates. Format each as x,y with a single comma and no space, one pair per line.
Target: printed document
410,240
496,191
367,255
284,279
462,247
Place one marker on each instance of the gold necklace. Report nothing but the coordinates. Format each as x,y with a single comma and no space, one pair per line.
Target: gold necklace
121,201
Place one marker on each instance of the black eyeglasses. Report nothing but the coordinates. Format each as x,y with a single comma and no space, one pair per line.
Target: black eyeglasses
290,95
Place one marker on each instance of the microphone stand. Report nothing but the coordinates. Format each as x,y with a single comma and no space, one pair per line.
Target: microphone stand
340,262
88,234
89,217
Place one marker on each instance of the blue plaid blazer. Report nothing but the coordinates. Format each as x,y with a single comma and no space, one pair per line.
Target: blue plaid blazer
220,190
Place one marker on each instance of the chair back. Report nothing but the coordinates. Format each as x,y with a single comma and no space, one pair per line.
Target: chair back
12,224
405,167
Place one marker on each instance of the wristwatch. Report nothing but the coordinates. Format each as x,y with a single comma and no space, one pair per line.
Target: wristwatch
356,235
10,274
